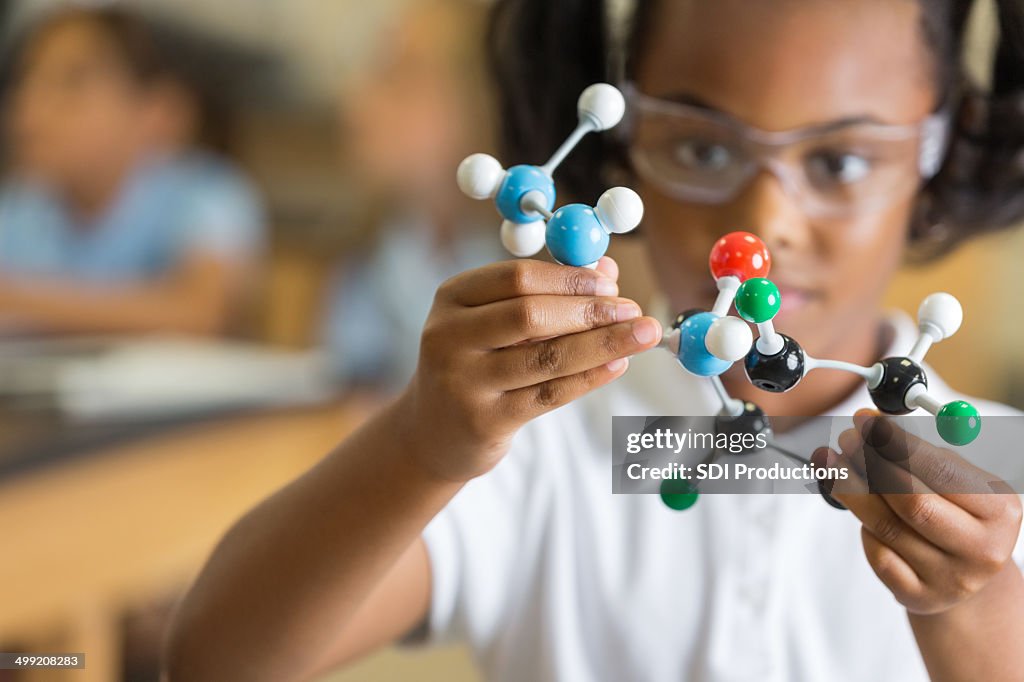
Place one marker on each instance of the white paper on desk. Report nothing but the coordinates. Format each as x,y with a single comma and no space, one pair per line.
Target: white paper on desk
160,377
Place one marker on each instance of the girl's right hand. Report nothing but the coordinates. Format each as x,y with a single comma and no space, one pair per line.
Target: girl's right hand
507,342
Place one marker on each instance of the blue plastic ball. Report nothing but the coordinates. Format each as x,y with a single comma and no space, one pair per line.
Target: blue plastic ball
693,354
575,235
518,181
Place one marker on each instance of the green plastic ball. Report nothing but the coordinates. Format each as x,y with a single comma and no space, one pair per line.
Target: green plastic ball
958,422
758,300
678,493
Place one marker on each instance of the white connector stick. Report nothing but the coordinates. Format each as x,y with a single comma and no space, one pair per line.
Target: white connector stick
732,407
872,375
727,287
769,342
534,201
918,396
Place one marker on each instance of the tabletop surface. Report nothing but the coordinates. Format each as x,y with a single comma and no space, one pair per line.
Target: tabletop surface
143,513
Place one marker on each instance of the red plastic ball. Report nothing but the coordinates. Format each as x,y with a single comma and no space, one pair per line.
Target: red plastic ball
740,254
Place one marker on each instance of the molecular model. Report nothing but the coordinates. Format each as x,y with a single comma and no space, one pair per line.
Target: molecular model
708,343
575,234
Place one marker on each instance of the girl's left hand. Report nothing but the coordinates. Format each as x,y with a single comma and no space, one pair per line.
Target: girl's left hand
930,532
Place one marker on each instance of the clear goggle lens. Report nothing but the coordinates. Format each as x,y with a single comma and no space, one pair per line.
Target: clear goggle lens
703,157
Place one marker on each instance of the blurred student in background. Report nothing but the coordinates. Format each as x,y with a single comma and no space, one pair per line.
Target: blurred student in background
421,106
112,219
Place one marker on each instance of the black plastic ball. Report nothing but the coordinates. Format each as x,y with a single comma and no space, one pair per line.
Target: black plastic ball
825,490
752,421
779,372
899,374
681,317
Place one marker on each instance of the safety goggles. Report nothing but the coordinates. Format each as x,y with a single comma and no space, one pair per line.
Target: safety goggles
832,170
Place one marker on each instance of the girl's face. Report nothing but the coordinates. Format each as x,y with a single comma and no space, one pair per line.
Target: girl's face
777,66
76,111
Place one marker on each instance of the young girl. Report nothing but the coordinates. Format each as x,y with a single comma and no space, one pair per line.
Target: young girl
112,220
471,508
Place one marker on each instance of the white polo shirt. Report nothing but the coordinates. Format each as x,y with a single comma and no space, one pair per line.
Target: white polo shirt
549,576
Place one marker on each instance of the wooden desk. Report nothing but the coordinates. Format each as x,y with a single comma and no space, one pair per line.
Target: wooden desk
82,541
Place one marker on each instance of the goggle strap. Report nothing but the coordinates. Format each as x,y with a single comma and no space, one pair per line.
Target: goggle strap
934,141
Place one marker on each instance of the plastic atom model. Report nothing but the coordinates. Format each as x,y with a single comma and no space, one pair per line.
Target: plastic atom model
708,342
575,234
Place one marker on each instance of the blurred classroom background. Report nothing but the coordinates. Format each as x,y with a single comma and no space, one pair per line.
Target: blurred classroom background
220,231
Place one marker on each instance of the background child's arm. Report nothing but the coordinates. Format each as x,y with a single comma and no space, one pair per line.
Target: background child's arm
197,298
332,565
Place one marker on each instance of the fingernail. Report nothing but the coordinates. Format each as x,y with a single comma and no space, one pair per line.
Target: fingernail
877,432
616,365
606,287
645,331
626,311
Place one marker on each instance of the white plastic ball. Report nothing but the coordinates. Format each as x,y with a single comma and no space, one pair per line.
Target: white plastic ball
620,210
480,175
941,311
603,105
523,240
729,338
